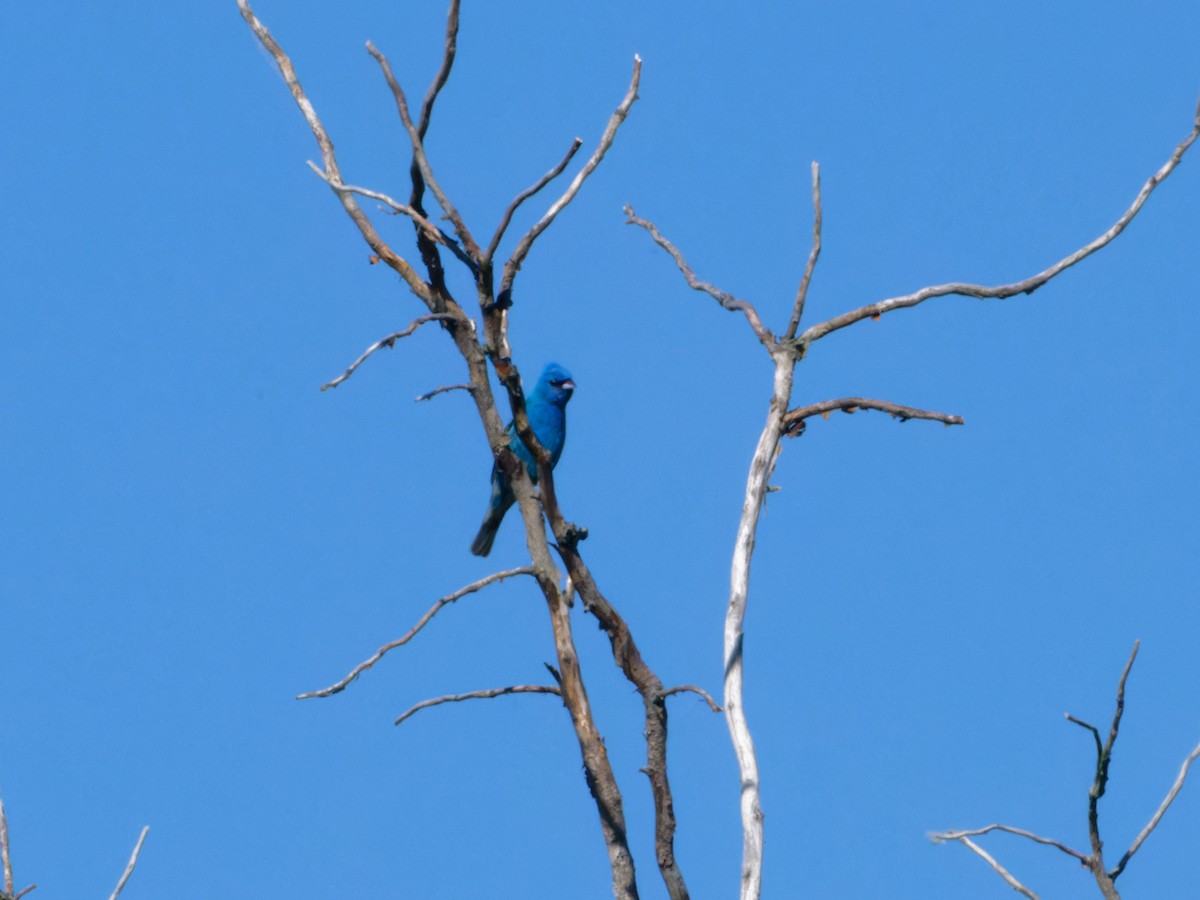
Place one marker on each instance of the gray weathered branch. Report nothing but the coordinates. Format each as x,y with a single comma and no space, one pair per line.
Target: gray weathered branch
389,342
479,695
1026,286
132,862
471,588
606,140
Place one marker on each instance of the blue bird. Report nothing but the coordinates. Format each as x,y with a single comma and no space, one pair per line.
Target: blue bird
547,411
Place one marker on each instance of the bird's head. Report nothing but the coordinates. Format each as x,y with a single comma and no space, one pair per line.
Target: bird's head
555,385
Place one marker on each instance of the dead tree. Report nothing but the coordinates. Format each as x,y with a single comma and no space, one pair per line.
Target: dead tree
487,343
8,890
1094,861
479,346
787,350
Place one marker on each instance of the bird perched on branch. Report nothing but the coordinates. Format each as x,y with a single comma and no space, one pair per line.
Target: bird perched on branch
546,407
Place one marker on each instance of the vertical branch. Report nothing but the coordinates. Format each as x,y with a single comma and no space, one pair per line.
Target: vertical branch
5,859
802,291
761,466
428,250
1100,784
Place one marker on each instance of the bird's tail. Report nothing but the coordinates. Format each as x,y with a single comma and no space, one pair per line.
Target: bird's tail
482,545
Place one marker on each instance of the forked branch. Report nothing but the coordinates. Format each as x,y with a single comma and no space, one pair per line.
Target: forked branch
525,195
329,159
999,292
417,139
606,140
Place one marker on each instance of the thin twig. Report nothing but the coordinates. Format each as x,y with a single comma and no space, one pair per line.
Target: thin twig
943,836
23,891
132,862
421,623
469,388
329,160
610,133
431,231
728,301
443,72
1092,728
389,342
679,689
802,291
525,195
1158,813
999,292
419,157
1000,870
480,695
796,417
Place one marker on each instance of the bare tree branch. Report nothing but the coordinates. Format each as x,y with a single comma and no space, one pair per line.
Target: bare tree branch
471,588
525,195
480,695
429,395
424,226
762,464
793,421
730,302
23,891
389,342
416,137
802,291
943,836
610,133
329,160
1000,870
999,292
5,859
132,862
443,72
1158,813
679,689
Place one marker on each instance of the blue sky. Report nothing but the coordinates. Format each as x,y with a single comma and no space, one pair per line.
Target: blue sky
193,533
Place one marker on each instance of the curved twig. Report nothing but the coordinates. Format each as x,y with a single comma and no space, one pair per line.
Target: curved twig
943,836
681,688
389,342
794,419
427,228
728,301
471,588
1000,292
429,395
480,695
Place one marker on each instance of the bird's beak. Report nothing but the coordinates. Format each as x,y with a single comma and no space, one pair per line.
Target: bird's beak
568,385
